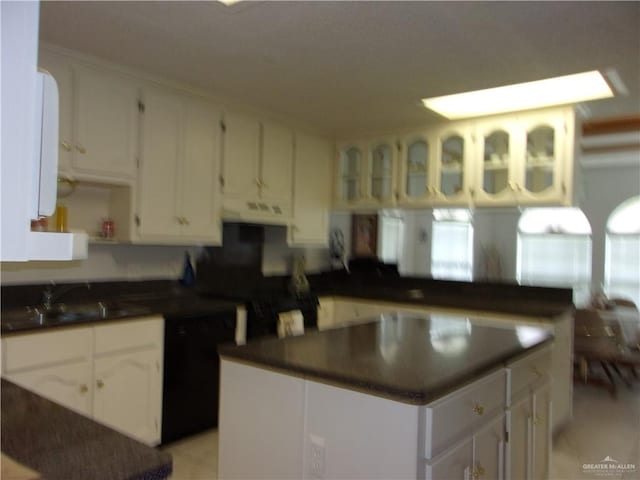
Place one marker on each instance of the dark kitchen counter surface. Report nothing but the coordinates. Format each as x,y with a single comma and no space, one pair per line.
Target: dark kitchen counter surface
166,299
63,445
481,296
408,358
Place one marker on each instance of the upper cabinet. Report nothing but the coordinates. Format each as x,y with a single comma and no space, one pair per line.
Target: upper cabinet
518,159
311,195
525,159
178,188
349,182
257,169
98,120
452,165
367,173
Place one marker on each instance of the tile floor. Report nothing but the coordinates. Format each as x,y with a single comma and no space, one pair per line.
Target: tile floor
602,427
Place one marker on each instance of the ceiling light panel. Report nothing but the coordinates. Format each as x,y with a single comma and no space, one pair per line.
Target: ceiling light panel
579,87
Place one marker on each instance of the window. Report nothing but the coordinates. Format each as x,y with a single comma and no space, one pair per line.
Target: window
622,252
391,235
554,250
452,245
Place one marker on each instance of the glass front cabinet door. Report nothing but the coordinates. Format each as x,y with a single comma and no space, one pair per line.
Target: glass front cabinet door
416,169
494,163
547,159
349,188
453,167
380,172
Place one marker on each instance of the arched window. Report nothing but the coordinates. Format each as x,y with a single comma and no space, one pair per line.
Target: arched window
622,252
554,250
452,245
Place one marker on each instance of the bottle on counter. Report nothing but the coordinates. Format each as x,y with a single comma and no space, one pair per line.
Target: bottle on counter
188,275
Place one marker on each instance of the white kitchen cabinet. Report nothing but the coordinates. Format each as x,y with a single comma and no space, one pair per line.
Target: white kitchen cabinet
111,373
453,174
349,170
525,158
311,197
105,123
480,456
257,169
276,166
529,421
178,200
381,168
66,384
367,173
417,168
98,120
127,386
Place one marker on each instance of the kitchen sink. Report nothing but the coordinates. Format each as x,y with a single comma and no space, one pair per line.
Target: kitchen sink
61,313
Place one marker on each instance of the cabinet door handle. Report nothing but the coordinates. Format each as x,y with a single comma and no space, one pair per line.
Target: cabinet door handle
179,220
478,471
537,420
478,409
185,221
81,149
258,182
65,146
84,388
536,371
100,384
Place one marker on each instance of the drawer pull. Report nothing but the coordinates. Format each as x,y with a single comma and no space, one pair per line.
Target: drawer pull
100,383
478,409
478,472
84,389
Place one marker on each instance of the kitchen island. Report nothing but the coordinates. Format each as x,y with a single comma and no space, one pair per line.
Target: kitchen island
403,397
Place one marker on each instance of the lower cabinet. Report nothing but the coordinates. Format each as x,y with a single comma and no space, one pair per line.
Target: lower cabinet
67,385
127,388
481,456
111,373
529,419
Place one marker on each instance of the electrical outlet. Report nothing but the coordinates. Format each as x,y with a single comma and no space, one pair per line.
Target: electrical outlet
316,456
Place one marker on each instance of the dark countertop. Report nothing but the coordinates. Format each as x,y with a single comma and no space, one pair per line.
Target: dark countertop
63,445
408,358
499,298
169,304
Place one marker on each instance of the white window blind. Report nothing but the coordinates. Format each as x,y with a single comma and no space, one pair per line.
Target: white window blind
452,250
622,252
622,267
391,234
556,260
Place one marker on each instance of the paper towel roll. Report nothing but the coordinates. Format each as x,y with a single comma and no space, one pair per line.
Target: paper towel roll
290,323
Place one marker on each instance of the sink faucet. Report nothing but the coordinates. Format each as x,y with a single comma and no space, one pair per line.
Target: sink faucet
49,296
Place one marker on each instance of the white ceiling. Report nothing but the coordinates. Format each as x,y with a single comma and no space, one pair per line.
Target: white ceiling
351,67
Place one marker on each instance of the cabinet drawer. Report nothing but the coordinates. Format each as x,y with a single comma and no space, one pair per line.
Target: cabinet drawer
138,333
47,348
459,414
528,372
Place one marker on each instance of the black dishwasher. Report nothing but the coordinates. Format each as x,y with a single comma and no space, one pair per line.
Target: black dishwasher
192,372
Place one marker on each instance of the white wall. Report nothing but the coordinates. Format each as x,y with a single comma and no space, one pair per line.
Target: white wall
105,262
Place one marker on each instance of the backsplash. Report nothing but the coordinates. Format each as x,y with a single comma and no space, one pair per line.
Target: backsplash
144,262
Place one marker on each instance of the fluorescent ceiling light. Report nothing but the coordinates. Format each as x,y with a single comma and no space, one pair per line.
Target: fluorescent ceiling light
229,2
567,89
